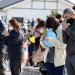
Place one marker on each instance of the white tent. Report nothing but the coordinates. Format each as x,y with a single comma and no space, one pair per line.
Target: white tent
29,9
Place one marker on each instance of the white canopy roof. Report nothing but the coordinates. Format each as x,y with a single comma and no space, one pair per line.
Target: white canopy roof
6,3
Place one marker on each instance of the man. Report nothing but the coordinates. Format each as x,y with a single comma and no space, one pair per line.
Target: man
68,25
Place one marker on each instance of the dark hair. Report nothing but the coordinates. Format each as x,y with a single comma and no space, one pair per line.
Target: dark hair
42,23
14,23
38,19
51,22
58,16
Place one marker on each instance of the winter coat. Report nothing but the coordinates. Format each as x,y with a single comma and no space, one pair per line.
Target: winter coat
69,39
15,42
2,38
60,54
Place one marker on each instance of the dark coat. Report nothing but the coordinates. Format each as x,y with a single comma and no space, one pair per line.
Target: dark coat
2,38
69,39
15,42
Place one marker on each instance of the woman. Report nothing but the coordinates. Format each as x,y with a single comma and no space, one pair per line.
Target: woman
15,42
33,47
53,56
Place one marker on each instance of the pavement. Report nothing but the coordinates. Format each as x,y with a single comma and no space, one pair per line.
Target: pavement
9,73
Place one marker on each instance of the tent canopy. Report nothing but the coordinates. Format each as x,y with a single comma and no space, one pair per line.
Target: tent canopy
6,3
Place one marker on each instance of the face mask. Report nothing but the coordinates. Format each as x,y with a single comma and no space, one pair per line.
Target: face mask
70,21
41,30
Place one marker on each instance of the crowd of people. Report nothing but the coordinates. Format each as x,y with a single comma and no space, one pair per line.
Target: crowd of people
51,46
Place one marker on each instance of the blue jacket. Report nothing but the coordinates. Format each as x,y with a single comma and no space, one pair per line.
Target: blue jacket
50,33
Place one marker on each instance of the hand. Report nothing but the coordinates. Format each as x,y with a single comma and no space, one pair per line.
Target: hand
64,25
42,37
26,44
5,33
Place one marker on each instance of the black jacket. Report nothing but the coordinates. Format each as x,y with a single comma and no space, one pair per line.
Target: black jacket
2,38
15,41
69,39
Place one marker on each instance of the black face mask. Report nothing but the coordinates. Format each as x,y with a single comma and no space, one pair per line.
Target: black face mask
70,21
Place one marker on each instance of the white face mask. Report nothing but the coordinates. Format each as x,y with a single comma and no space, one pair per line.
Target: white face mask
41,30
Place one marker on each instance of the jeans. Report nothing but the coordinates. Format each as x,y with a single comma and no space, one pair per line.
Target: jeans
52,70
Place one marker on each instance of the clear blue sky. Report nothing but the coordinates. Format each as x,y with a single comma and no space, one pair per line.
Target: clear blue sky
73,1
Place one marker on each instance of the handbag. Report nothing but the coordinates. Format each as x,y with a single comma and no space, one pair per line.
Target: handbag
38,56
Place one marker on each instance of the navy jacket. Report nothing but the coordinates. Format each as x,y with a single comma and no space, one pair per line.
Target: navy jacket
15,41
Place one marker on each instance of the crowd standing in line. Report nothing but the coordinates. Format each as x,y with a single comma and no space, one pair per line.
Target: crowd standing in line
50,43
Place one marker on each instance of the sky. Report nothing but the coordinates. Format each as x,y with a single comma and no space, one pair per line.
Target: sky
73,1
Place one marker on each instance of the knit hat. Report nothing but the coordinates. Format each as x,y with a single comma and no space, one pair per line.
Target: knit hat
68,11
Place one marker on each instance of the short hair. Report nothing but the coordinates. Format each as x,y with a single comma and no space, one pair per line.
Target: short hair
58,16
41,23
68,11
51,22
38,19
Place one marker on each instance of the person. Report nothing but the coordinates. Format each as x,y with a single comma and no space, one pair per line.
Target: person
35,43
59,29
37,26
59,36
14,46
3,34
32,23
28,21
53,57
68,24
41,25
